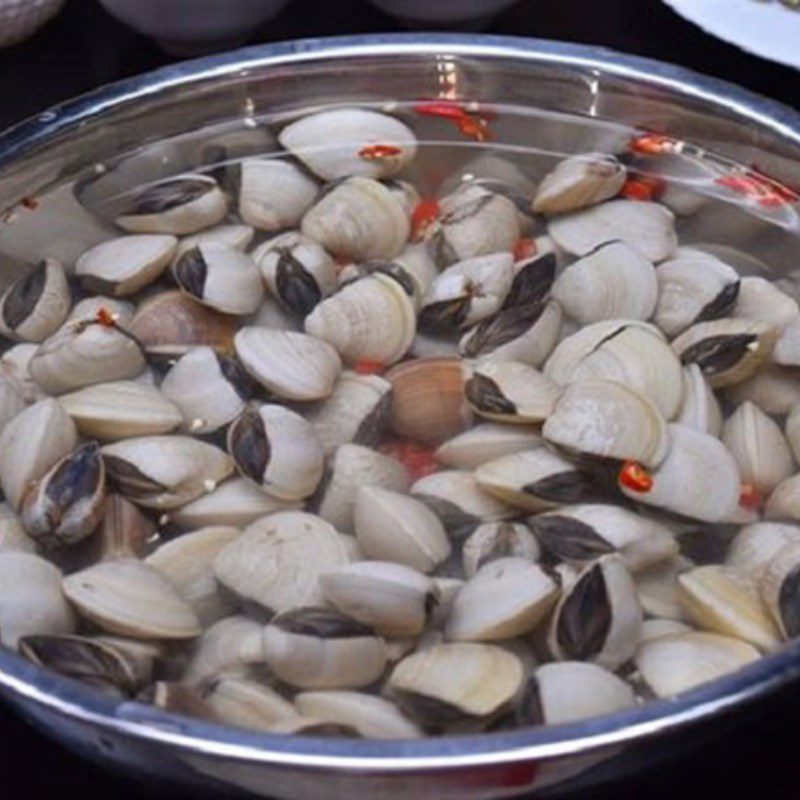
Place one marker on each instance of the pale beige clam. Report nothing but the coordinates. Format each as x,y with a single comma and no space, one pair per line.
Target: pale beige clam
485,442
657,628
293,366
607,419
493,540
787,348
613,281
755,545
13,537
229,646
700,407
120,409
416,260
277,449
657,588
358,219
36,303
179,205
164,472
30,444
792,429
579,181
760,299
11,401
277,560
123,266
247,703
14,367
646,227
31,601
238,237
676,663
187,561
395,527
773,389
780,592
271,314
121,311
130,598
783,503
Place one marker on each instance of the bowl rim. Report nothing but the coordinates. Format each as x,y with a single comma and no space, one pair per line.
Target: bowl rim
26,683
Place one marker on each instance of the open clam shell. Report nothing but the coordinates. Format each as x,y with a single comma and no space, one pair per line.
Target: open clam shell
579,181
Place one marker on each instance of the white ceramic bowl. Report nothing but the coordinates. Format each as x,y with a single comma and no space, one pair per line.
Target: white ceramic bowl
20,18
191,27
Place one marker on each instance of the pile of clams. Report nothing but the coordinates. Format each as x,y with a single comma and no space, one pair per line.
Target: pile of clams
302,451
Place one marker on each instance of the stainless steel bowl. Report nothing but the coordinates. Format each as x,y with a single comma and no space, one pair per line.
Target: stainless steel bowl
61,145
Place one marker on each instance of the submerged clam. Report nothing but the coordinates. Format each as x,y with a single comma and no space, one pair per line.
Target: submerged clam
579,181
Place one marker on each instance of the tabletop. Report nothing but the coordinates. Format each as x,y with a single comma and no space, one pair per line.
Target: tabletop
85,48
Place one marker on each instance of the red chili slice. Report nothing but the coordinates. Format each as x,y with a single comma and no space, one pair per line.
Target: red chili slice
417,458
635,477
425,213
375,152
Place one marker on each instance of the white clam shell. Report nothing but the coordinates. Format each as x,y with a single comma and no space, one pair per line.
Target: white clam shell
121,409
271,314
646,227
236,236
225,647
778,590
329,143
294,366
31,601
122,266
485,442
14,367
657,628
784,502
700,408
754,546
614,281
761,300
276,562
395,527
130,598
657,588
248,704
11,401
122,311
493,540
579,181
511,391
773,389
13,537
787,348
416,260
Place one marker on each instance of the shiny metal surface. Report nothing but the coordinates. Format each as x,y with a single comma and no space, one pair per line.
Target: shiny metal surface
62,144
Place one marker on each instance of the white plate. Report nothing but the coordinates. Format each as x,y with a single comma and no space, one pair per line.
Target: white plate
769,29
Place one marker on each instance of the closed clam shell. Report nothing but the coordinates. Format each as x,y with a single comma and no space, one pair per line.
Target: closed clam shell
760,299
759,448
569,691
273,193
236,236
296,270
510,391
474,221
399,528
340,142
188,563
373,717
165,472
247,704
277,560
120,409
418,263
779,589
391,599
124,532
466,292
673,664
318,648
121,311
783,503
179,205
698,478
11,401
787,348
221,278
579,181
485,442
352,466
456,682
276,449
314,726
236,501
171,323
506,597
427,401
372,319
657,628
14,367
647,227
225,647
122,266
494,540
358,219
456,497
357,411
271,314
31,601
792,429
85,353
13,537
773,389
700,407
30,444
693,287
718,599
294,366
613,281
209,390
130,598
598,617
726,350
657,587
754,546
36,303
609,420
578,533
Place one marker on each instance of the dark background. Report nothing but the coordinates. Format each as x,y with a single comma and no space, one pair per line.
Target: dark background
84,48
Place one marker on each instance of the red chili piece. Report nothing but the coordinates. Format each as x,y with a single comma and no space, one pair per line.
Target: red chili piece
750,497
635,477
525,247
425,213
366,366
417,458
106,318
654,144
765,191
643,187
473,124
375,152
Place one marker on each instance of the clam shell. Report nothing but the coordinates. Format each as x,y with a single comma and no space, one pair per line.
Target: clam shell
13,537
579,181
657,587
30,444
761,300
335,143
31,601
294,366
783,503
657,628
165,471
224,648
247,704
787,348
124,532
121,311
614,281
11,401
700,409
130,598
646,227
778,589
188,563
125,265
418,263
773,389
14,367
120,409
495,540
277,560
485,442
236,236
754,546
